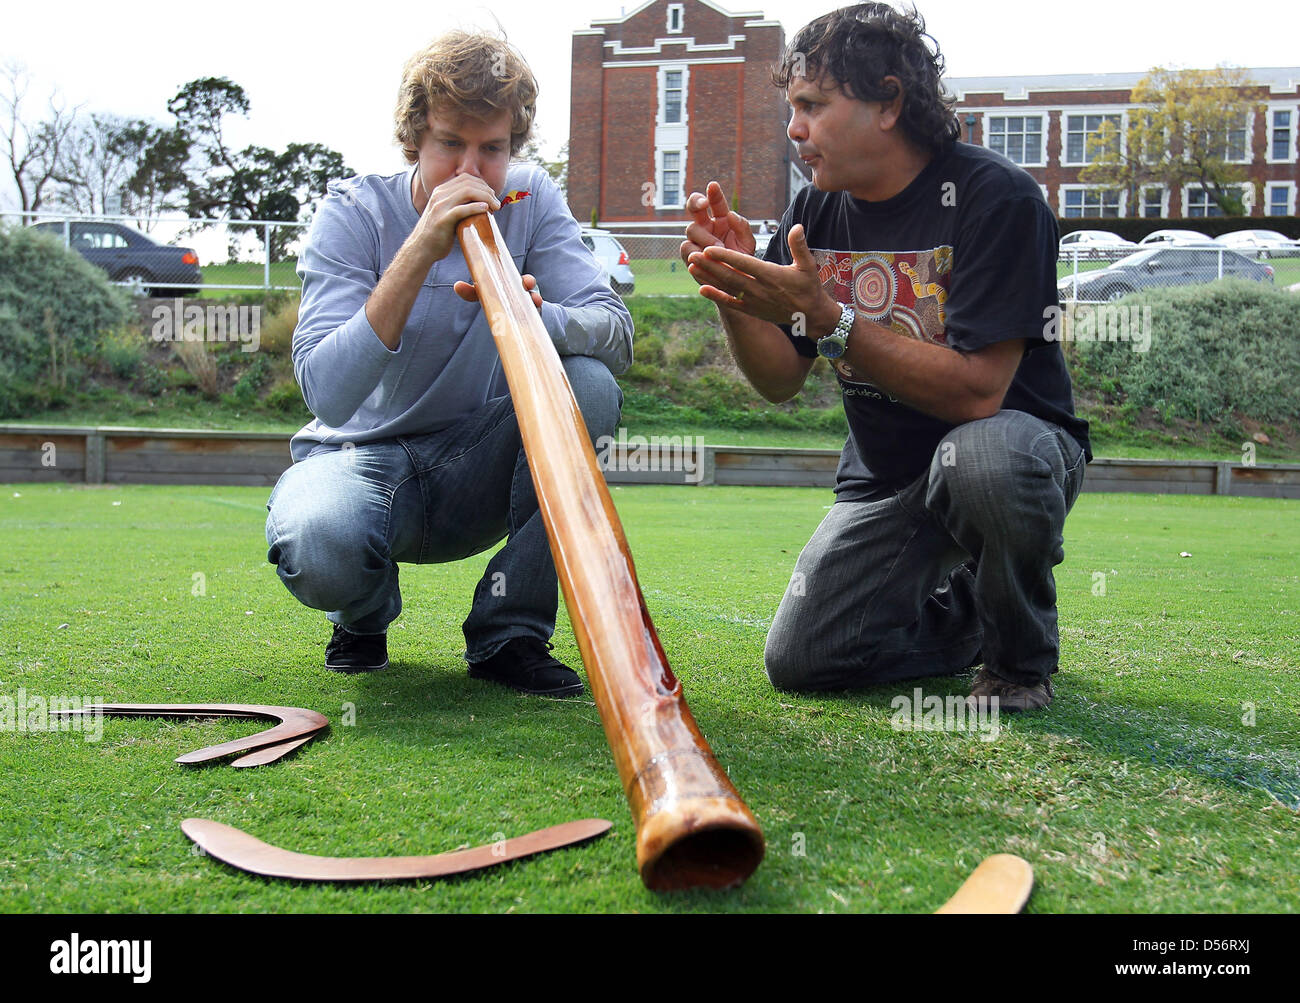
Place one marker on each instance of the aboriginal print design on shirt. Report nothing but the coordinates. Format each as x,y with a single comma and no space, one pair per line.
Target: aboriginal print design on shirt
902,290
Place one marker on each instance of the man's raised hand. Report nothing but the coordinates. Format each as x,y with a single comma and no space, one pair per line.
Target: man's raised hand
715,224
764,289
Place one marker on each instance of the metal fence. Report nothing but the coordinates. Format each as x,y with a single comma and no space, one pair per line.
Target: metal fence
1103,273
650,264
176,255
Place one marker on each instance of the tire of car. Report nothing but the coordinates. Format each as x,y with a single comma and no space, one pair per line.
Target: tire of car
137,280
1117,292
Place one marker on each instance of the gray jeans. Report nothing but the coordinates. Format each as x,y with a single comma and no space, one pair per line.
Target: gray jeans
341,520
952,570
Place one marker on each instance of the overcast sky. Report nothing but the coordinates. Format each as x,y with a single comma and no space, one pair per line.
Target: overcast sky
328,74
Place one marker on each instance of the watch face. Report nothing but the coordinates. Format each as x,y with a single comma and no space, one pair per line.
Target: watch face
831,347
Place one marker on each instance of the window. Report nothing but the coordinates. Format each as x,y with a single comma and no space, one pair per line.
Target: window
1078,128
97,238
1081,203
676,13
1282,145
1280,199
1229,145
1153,202
673,97
1200,203
1018,138
671,179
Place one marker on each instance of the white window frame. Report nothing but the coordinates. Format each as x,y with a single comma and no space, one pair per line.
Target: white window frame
660,189
1070,111
680,10
1268,132
1012,113
1062,189
664,70
1187,198
1164,200
671,137
1288,186
1247,146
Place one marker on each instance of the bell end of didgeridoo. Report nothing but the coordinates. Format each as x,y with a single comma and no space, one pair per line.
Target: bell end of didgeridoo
706,842
1000,884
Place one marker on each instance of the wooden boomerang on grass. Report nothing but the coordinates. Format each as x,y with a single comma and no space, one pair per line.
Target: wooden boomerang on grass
693,829
1001,884
247,853
295,726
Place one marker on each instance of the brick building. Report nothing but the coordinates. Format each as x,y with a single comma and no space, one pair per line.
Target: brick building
669,97
1042,123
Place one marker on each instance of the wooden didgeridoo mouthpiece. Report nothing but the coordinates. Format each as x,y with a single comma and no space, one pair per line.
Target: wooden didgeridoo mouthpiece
693,830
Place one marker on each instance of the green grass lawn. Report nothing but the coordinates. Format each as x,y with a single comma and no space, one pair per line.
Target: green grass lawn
1166,776
248,273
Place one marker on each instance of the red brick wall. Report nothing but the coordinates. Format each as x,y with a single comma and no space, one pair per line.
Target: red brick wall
736,118
586,112
1054,175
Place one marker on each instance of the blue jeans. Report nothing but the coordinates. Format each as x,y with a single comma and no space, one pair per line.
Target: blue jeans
954,569
342,519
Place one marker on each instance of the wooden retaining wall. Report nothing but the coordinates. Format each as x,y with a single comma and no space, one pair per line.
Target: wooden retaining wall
121,455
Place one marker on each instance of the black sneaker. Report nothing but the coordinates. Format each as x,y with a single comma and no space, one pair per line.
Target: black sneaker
349,652
523,664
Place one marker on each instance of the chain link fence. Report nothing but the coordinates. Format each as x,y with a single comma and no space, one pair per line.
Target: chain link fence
177,256
1104,274
174,256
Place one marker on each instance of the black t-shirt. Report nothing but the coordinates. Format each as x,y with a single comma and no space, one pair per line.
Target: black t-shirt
964,256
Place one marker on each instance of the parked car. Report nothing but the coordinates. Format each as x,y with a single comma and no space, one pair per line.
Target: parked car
1093,244
1260,243
611,256
1173,265
1173,237
131,258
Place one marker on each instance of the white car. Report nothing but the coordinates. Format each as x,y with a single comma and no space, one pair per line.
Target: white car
1174,237
1094,244
611,256
1260,243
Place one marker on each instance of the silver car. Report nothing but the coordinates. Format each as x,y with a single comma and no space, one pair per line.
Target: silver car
1260,243
612,257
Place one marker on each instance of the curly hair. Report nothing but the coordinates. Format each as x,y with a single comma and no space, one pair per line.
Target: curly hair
857,47
466,74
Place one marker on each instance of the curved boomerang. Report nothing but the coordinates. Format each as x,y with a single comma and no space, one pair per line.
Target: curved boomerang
1001,884
248,853
295,726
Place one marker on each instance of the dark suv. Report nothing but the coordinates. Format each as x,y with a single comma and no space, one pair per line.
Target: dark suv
131,258
1167,265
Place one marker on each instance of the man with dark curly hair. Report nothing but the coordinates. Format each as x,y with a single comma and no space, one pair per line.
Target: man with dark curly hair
924,270
415,454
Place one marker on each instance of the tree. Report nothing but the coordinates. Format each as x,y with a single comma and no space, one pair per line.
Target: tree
557,169
159,181
96,164
253,183
1188,127
32,149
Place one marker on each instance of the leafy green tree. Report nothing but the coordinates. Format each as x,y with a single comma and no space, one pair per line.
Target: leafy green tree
1188,128
256,182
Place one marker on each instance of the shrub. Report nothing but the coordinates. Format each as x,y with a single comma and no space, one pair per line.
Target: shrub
122,350
281,317
54,308
1224,347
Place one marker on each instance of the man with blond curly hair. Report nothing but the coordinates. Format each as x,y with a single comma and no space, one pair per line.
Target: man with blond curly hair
415,454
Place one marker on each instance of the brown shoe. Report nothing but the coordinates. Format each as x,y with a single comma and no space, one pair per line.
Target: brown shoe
1012,697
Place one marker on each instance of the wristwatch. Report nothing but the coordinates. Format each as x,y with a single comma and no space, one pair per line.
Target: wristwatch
832,346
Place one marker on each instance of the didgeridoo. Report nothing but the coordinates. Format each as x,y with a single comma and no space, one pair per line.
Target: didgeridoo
693,830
